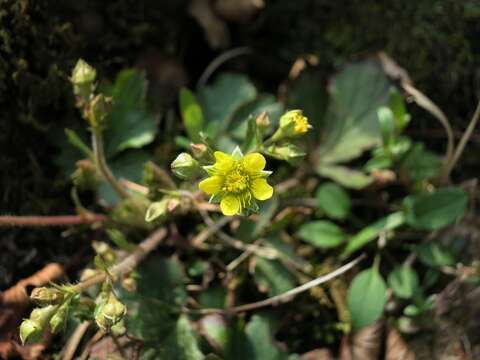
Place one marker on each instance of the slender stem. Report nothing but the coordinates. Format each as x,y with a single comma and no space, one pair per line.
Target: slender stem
462,143
423,101
290,294
97,144
129,263
62,220
74,341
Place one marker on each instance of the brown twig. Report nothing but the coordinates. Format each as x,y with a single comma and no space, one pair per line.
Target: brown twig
72,344
61,220
290,294
127,264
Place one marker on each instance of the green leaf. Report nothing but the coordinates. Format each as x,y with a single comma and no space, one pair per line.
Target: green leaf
347,177
435,210
403,281
260,334
420,164
351,122
322,234
371,232
366,298
333,200
221,99
397,105
154,312
434,255
130,124
272,276
192,114
387,125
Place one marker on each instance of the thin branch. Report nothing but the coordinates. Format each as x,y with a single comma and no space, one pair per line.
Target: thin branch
462,143
129,263
218,61
423,101
97,144
72,344
61,220
290,294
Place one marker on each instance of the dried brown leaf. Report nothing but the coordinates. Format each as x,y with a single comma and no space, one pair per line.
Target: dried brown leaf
215,29
396,348
363,345
13,303
318,354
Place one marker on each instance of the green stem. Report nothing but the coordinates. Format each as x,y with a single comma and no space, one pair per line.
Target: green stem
97,145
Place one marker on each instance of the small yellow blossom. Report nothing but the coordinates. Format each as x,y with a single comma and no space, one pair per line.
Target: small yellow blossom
295,120
237,181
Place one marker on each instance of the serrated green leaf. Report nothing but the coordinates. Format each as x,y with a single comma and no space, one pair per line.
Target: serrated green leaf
366,298
221,99
351,123
403,281
333,200
435,210
192,114
322,234
130,124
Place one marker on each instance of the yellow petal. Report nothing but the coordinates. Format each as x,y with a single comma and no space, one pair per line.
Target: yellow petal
254,162
230,205
224,162
261,189
211,185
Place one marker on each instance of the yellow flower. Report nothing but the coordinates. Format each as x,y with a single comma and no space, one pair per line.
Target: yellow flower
296,121
238,181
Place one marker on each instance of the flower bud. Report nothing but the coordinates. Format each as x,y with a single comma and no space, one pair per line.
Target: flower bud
86,176
289,152
83,78
184,166
293,123
100,107
59,318
32,329
109,312
46,296
199,150
262,120
156,210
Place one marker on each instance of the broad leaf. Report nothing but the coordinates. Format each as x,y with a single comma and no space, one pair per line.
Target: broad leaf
435,210
322,234
260,334
272,276
130,124
434,255
345,176
333,200
221,99
366,298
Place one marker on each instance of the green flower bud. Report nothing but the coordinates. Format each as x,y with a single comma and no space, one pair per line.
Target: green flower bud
83,78
199,150
109,312
156,210
32,329
59,318
100,107
292,124
288,152
86,176
46,296
185,166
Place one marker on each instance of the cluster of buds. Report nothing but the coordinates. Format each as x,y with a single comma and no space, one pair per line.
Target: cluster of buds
109,311
95,108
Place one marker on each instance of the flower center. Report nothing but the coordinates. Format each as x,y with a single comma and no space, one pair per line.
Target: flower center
235,181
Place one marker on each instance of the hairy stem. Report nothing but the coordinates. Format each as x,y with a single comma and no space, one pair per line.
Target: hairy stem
97,144
129,263
62,220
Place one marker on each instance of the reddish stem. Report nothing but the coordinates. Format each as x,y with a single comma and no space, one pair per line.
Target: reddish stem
62,220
